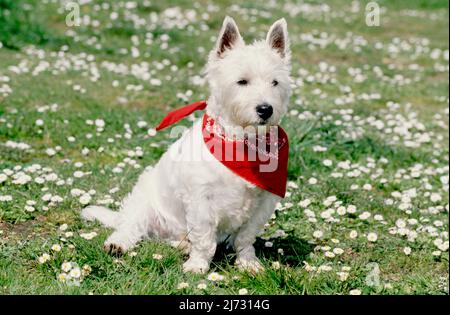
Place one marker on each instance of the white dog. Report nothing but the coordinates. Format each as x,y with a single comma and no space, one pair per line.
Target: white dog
196,204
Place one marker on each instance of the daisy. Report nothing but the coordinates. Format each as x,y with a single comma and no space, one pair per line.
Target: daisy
88,236
201,286
63,277
365,215
182,285
56,247
338,251
214,276
44,258
75,273
304,203
341,210
86,270
327,162
243,291
66,266
351,209
342,275
372,237
329,254
318,234
85,199
276,265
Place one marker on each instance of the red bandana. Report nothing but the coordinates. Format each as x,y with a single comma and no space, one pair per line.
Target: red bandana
262,165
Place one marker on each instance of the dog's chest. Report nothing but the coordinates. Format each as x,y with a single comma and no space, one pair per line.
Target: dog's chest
231,199
236,200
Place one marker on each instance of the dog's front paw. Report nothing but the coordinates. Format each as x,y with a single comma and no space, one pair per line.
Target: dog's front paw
114,249
252,265
115,246
196,265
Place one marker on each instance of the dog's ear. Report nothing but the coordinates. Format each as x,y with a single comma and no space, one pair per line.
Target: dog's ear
229,37
277,38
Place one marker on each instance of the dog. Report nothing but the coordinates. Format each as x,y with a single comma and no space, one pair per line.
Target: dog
194,205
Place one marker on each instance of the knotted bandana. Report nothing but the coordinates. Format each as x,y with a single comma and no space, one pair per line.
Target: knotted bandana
261,161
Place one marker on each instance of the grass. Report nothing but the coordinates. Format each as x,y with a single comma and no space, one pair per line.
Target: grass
90,73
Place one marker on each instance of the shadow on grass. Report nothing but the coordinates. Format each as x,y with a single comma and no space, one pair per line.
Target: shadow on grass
294,251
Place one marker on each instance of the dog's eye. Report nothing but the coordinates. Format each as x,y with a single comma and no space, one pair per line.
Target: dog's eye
274,83
242,82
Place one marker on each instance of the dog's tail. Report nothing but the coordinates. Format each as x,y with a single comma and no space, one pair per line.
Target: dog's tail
106,216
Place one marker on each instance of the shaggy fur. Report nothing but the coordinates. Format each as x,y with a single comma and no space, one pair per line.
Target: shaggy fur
195,203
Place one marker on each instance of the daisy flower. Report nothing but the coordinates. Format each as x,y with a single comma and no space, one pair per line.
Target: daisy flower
201,286
243,291
63,277
56,247
66,266
182,285
75,273
44,258
372,237
214,276
355,292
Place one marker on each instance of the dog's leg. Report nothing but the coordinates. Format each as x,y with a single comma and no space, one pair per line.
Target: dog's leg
243,243
184,245
131,230
137,218
124,238
137,225
202,228
106,216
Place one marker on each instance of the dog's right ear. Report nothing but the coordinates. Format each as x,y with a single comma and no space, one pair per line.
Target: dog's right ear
229,37
277,38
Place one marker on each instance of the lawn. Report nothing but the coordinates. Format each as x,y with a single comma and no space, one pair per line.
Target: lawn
367,204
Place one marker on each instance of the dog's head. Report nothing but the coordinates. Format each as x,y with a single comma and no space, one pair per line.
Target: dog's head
250,84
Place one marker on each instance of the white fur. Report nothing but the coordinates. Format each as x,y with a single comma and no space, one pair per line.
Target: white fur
195,204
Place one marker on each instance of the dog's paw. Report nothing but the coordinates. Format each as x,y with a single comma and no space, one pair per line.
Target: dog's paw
114,249
115,246
196,265
250,265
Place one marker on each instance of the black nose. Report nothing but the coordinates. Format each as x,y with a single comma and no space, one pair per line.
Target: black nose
264,111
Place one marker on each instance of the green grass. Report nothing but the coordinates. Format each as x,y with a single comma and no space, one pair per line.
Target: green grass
33,33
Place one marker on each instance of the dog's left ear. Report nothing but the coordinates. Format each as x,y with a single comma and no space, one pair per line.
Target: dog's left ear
277,38
229,37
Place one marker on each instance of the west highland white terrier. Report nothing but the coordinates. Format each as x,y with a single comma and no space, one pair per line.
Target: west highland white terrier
196,203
